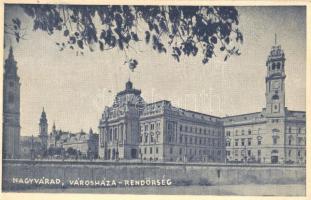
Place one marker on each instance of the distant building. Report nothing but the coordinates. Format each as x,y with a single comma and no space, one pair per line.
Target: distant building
11,109
30,145
133,129
82,142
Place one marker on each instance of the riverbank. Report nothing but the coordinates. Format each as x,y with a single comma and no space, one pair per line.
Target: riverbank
241,190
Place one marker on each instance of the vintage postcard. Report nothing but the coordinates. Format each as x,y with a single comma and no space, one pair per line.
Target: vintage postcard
155,99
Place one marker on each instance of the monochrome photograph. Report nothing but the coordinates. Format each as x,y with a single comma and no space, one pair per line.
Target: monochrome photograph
154,99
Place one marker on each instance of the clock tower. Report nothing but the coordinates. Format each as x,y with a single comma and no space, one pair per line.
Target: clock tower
11,108
275,82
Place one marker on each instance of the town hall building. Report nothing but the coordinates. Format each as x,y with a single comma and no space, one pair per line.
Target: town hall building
134,129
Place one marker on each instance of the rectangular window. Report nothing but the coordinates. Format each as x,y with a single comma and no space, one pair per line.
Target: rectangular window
249,141
249,132
158,125
145,150
146,138
259,153
157,150
289,153
180,151
180,127
237,142
242,142
171,150
146,127
275,140
259,142
150,150
152,127
249,152
151,138
228,133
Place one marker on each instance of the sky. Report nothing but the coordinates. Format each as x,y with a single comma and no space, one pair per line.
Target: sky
74,90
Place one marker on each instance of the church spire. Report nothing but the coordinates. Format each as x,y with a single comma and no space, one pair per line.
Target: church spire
10,64
11,56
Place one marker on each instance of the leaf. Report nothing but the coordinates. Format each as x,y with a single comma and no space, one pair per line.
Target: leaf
66,33
176,57
226,57
72,40
80,44
214,39
147,38
134,36
101,45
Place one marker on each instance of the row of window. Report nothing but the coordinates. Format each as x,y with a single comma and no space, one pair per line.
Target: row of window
300,141
248,153
244,142
185,128
290,130
249,132
184,139
299,154
153,138
151,126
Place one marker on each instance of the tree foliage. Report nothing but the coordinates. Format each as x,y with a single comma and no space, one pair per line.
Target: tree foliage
177,30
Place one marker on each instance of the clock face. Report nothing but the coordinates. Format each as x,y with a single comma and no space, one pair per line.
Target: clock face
275,84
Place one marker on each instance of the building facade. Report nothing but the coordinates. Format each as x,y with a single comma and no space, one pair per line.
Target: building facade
84,144
274,135
134,129
11,109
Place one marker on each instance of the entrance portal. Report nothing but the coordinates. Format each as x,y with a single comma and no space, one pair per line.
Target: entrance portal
134,153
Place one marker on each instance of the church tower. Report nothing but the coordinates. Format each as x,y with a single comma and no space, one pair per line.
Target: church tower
43,130
275,82
11,108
